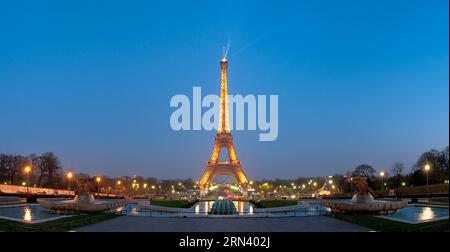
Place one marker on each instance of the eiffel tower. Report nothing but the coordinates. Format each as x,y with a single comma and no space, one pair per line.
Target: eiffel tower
231,167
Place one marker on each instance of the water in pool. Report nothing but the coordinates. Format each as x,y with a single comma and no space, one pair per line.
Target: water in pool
314,209
26,213
417,213
133,209
243,207
202,209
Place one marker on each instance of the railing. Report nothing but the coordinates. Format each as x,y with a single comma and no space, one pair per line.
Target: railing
21,191
14,189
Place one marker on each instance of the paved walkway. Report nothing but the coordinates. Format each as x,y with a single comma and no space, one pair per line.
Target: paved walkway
289,224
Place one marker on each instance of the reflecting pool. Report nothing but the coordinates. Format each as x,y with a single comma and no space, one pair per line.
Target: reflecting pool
29,213
243,207
419,213
203,209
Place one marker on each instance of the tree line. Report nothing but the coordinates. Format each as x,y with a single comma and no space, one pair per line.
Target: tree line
438,160
46,170
396,176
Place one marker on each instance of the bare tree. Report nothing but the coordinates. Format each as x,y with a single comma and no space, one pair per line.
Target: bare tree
397,169
3,168
365,170
444,163
438,160
49,170
11,167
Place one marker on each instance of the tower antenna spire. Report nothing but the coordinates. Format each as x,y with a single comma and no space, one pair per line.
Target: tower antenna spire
224,55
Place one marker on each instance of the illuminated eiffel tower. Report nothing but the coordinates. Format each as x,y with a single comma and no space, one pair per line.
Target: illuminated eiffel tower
231,167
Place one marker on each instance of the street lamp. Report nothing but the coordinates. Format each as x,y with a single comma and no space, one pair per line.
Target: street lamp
69,177
118,187
427,168
27,170
98,179
351,184
382,185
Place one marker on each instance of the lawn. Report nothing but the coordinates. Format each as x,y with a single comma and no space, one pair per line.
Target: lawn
274,203
384,225
433,189
60,225
173,203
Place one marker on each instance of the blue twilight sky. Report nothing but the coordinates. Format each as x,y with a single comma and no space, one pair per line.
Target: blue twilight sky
358,82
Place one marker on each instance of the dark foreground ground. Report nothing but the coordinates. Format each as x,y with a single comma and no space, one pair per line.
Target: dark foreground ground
289,224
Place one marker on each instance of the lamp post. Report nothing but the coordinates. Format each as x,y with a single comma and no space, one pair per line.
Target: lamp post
118,186
427,168
69,177
351,184
98,179
331,184
382,184
27,170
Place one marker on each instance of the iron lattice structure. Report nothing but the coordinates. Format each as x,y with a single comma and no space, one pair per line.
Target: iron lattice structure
223,139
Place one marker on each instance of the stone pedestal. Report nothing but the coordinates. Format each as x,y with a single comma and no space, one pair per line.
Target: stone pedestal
362,198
